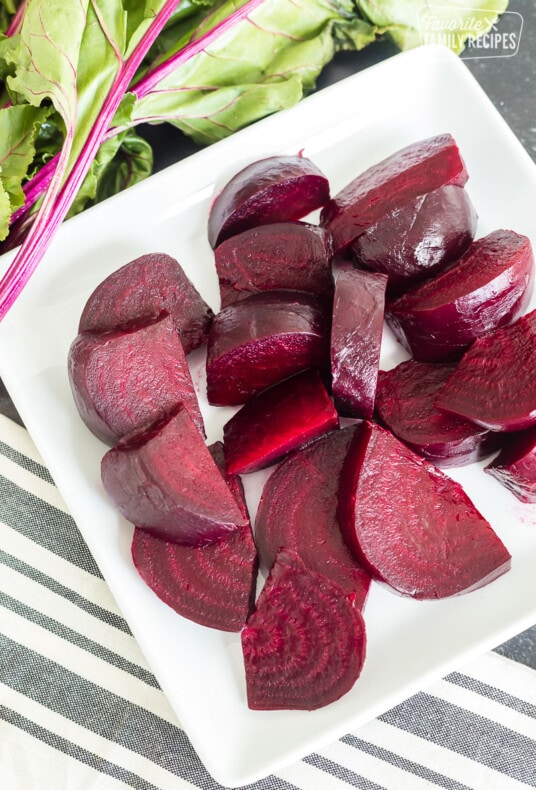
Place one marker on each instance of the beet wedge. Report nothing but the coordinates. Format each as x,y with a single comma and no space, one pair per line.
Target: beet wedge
494,384
515,466
293,255
165,481
142,290
415,170
305,643
489,287
413,528
262,340
124,379
274,189
356,335
405,405
298,509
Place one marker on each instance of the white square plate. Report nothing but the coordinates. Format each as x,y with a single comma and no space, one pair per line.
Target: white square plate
343,129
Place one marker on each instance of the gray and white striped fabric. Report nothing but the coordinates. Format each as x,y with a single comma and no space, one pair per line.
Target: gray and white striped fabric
80,709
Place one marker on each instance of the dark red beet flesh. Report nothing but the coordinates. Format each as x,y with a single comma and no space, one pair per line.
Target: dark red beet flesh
356,334
277,421
298,509
294,255
233,481
304,645
262,340
274,189
494,384
415,170
405,404
144,289
487,288
123,379
419,238
413,527
165,481
515,466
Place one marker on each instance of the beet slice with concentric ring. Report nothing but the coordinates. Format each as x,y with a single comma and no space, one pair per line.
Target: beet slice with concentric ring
304,644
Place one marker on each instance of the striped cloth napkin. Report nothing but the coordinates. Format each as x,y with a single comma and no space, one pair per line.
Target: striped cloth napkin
81,710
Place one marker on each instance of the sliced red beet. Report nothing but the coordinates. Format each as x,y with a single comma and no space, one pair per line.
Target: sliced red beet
164,480
515,466
262,340
415,170
413,527
233,480
304,645
419,238
405,404
143,289
487,288
277,421
494,384
274,189
293,255
356,334
123,379
298,509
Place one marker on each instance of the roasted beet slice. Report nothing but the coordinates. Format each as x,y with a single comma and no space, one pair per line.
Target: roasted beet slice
356,335
233,480
304,645
274,189
293,255
298,509
415,170
405,404
123,379
494,384
262,340
413,527
277,421
419,238
144,289
164,480
489,287
515,466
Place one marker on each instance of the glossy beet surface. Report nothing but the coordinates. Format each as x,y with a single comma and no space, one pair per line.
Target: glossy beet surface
293,255
165,481
489,287
262,340
356,334
277,421
413,527
405,404
298,509
274,189
304,645
515,466
494,384
415,170
144,289
419,238
121,380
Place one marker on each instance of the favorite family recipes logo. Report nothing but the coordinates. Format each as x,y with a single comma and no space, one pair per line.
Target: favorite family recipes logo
473,34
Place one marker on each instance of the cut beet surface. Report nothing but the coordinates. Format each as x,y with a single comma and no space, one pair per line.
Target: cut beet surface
515,466
494,384
274,189
277,421
262,340
356,335
298,509
487,288
304,645
415,170
143,289
419,238
233,480
124,379
165,481
413,527
405,404
294,255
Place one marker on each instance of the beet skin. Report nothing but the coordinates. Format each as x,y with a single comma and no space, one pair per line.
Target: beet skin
515,466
